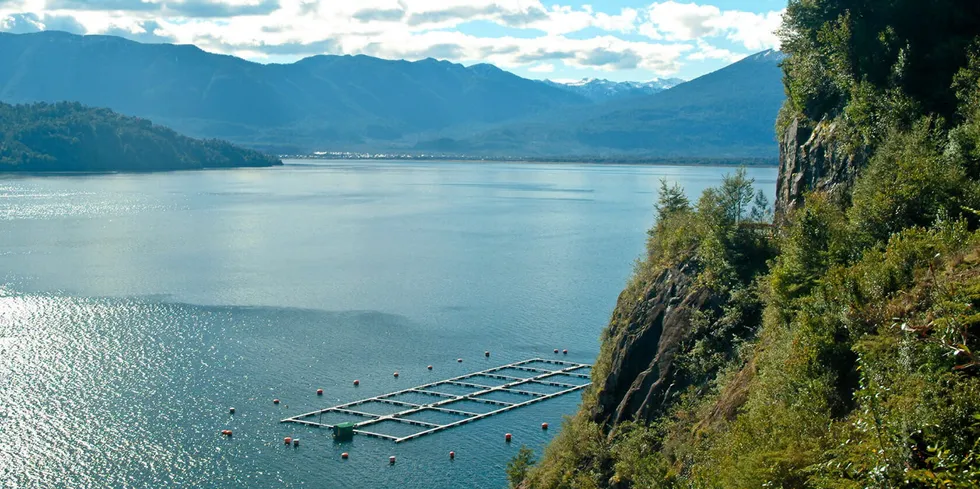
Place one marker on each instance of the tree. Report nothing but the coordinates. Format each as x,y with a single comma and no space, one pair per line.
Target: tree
672,199
761,212
518,466
736,195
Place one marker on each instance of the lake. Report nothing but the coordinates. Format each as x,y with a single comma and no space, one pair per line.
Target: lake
136,309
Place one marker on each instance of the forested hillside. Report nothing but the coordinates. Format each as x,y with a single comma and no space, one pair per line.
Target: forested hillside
71,137
838,347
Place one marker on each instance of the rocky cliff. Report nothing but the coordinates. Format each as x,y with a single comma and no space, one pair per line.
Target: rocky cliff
647,335
815,157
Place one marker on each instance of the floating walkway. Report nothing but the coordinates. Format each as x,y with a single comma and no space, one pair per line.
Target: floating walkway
559,377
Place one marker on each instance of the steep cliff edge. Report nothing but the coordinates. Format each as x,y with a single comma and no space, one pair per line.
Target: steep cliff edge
814,157
646,336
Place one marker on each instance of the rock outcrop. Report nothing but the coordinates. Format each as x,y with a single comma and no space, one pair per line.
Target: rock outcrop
646,336
648,333
815,158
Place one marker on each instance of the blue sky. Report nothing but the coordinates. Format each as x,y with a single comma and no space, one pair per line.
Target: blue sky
561,40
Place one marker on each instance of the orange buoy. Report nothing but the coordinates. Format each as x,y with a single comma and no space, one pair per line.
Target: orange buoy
296,442
396,375
507,437
231,410
544,426
319,392
564,352
391,460
288,440
226,432
452,455
430,367
344,455
487,354
459,360
556,350
275,401
357,383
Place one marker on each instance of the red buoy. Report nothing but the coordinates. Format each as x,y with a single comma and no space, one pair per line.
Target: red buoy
564,352
396,375
556,350
507,437
487,354
319,392
357,383
275,401
226,432
391,460
430,367
288,440
544,426
452,455
344,455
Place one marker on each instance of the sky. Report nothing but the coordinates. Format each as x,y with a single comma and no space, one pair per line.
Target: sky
618,40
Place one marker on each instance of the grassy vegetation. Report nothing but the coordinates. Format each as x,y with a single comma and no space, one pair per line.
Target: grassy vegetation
846,355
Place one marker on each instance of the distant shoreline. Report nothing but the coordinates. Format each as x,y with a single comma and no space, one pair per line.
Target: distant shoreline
680,161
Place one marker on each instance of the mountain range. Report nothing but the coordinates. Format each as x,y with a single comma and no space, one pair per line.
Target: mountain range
730,113
600,90
355,103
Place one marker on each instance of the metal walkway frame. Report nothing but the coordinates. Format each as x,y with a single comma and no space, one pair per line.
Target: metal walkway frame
514,385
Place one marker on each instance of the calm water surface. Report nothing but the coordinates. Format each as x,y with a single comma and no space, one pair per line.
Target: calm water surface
136,309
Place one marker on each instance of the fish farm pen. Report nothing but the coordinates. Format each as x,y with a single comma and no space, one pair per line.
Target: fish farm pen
412,413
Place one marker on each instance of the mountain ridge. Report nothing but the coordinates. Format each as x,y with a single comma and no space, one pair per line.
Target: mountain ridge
728,113
358,102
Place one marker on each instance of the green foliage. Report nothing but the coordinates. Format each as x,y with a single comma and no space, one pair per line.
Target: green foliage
952,471
726,231
672,199
576,458
639,459
908,183
518,466
71,137
913,46
846,353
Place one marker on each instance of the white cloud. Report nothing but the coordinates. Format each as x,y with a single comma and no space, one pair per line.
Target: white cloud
754,31
676,21
542,68
414,29
682,21
706,51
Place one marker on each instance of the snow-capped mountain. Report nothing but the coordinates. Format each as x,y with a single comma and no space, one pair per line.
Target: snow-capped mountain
599,89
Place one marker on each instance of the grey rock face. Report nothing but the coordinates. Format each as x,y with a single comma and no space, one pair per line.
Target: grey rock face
642,380
814,158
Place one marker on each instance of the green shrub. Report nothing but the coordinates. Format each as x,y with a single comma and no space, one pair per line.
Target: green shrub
909,183
519,466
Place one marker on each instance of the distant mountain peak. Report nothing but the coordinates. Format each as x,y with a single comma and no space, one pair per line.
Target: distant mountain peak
771,55
600,89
